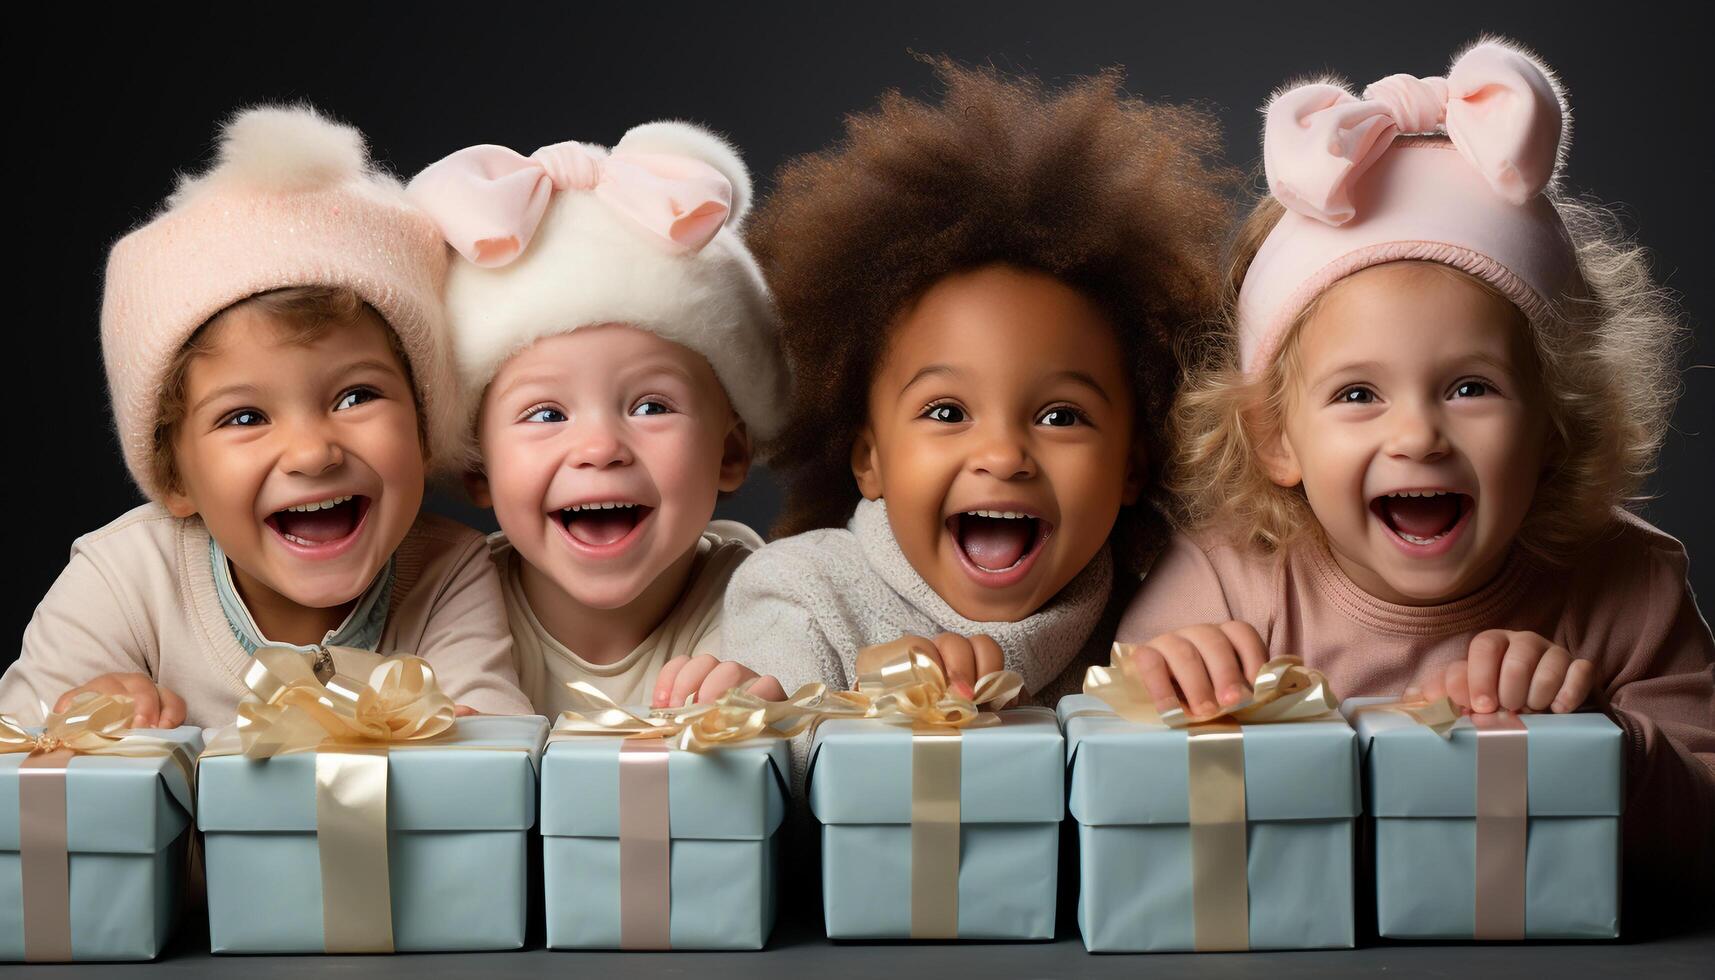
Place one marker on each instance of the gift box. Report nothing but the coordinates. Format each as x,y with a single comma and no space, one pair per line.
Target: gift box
1245,842
646,845
92,846
1507,827
938,833
443,862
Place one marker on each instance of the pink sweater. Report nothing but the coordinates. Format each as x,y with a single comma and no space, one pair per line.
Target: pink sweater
139,596
1624,604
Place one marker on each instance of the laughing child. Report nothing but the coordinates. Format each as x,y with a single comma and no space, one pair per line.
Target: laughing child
1407,461
278,369
617,351
980,301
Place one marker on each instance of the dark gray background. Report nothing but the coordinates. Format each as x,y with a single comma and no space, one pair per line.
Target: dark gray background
107,104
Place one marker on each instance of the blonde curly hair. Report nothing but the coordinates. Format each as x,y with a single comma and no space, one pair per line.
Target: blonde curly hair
1608,364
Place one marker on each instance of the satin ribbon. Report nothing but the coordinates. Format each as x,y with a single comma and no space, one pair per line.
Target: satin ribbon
489,200
645,832
899,683
1285,691
1496,105
94,724
1503,812
351,726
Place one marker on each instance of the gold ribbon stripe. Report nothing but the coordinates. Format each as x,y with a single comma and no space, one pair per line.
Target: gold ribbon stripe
935,831
43,860
1220,886
645,846
351,838
1503,810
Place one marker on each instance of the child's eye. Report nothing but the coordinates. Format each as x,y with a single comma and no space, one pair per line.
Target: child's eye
1355,395
651,407
1471,388
944,412
1061,416
355,397
244,417
545,414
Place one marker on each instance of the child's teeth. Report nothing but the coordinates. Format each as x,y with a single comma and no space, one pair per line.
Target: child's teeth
998,514
608,505
318,505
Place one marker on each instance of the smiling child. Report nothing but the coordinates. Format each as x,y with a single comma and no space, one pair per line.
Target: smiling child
280,382
616,346
980,302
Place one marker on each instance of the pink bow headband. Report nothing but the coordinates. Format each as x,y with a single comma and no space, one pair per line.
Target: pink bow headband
1355,197
489,200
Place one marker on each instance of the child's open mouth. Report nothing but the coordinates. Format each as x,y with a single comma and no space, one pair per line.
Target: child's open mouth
320,528
602,528
997,547
1425,520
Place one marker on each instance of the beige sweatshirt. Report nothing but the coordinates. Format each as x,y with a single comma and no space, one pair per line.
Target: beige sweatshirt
692,626
1624,604
139,596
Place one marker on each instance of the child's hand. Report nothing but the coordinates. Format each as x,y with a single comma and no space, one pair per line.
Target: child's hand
1206,661
1513,669
964,659
708,678
153,706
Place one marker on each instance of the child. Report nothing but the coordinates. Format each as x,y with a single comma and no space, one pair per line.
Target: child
979,301
616,347
276,359
1445,378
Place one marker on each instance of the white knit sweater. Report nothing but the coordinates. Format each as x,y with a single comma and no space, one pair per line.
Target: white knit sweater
801,608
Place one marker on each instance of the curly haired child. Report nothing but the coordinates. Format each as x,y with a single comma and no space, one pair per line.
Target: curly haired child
281,383
980,300
1407,462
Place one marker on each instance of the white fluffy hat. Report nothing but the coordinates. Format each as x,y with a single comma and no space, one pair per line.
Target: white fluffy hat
647,234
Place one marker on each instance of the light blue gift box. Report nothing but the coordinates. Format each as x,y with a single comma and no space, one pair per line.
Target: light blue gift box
458,823
1011,801
1423,801
725,806
126,822
1130,796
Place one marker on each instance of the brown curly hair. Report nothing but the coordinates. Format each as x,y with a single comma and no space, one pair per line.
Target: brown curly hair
1122,199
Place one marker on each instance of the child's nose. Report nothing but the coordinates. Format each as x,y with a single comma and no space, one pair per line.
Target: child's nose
1003,455
311,451
1416,433
596,444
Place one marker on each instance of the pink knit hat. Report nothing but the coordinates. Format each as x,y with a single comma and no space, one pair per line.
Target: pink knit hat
293,200
1357,195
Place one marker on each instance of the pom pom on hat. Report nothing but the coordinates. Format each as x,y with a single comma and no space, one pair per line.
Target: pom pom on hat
281,149
690,140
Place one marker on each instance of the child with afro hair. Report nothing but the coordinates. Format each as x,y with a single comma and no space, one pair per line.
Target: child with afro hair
981,300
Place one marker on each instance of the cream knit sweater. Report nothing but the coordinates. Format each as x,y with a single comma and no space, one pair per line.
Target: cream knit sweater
139,596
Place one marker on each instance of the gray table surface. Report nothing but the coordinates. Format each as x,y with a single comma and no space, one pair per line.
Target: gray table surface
799,951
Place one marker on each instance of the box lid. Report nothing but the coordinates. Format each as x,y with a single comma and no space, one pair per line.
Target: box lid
451,785
1575,765
1124,773
1011,772
733,793
114,804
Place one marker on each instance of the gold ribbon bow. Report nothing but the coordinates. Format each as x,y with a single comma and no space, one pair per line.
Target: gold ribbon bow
94,724
900,683
349,725
1285,691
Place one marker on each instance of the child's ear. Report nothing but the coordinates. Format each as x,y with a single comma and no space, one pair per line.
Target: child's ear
865,464
1136,469
179,504
1279,461
476,485
736,455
